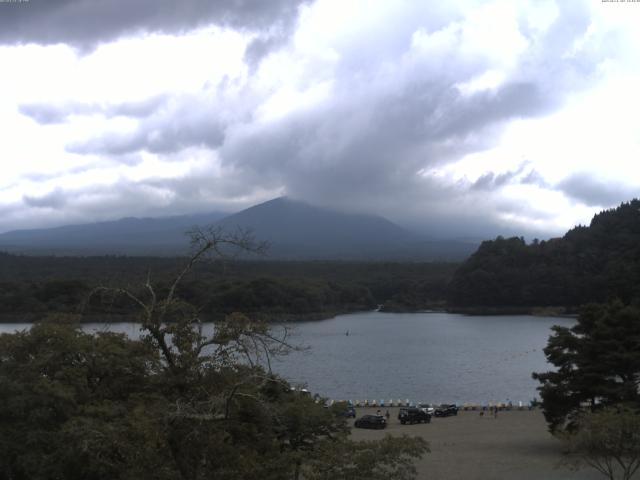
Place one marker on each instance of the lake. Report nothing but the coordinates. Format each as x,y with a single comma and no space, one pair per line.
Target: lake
423,357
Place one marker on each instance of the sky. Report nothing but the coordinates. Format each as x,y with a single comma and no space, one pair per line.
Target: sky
457,118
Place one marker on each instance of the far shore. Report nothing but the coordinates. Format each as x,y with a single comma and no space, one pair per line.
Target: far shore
560,312
515,445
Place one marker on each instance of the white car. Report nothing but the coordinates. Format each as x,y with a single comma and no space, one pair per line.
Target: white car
427,408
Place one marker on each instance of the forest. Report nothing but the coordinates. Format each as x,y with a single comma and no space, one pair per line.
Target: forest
275,290
592,263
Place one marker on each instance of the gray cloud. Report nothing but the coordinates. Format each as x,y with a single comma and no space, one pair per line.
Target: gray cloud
189,121
261,46
364,146
85,23
55,200
46,114
524,174
391,114
151,197
594,192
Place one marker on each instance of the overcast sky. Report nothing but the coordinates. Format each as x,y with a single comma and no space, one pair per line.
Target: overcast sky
454,117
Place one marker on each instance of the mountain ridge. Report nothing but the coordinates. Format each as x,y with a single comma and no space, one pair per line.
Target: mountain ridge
294,229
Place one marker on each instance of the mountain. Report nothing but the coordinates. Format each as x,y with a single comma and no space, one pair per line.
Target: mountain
588,264
294,230
132,236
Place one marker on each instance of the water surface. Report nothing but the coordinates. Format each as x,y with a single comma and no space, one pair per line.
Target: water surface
431,357
423,357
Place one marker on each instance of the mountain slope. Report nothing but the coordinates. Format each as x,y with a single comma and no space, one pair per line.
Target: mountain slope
135,236
294,230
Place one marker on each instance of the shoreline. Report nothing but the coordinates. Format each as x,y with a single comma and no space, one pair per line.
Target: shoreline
559,312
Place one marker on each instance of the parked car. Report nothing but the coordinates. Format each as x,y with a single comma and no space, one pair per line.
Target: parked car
371,421
446,410
413,415
427,408
349,412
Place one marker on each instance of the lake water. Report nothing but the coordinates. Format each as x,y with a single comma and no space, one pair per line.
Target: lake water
423,357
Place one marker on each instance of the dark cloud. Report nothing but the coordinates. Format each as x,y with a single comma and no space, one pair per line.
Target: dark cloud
364,146
393,113
85,23
594,192
261,46
55,200
534,178
524,174
366,153
152,197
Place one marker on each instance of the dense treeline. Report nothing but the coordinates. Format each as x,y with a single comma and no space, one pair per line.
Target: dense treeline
32,286
588,264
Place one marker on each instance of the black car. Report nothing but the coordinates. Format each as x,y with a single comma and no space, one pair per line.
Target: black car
349,411
371,421
413,415
446,411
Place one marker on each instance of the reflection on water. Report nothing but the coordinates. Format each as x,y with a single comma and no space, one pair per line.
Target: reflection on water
425,357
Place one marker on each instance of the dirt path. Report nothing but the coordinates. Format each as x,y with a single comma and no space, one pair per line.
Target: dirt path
515,445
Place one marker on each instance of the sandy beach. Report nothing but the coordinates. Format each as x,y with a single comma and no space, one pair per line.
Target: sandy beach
514,446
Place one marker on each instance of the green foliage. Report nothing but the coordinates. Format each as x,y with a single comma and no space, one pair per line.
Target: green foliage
75,405
597,361
273,297
588,264
56,382
176,404
31,286
388,459
609,441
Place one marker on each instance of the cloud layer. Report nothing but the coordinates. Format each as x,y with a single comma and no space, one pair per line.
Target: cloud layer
86,23
437,116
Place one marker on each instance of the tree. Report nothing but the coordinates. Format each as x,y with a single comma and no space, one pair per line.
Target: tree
389,458
609,441
180,403
69,403
598,364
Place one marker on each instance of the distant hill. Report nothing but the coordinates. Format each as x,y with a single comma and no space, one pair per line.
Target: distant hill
131,236
294,230
588,264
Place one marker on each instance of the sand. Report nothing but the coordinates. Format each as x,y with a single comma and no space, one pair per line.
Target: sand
515,445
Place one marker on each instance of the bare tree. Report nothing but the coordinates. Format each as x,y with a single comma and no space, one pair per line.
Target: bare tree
174,327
